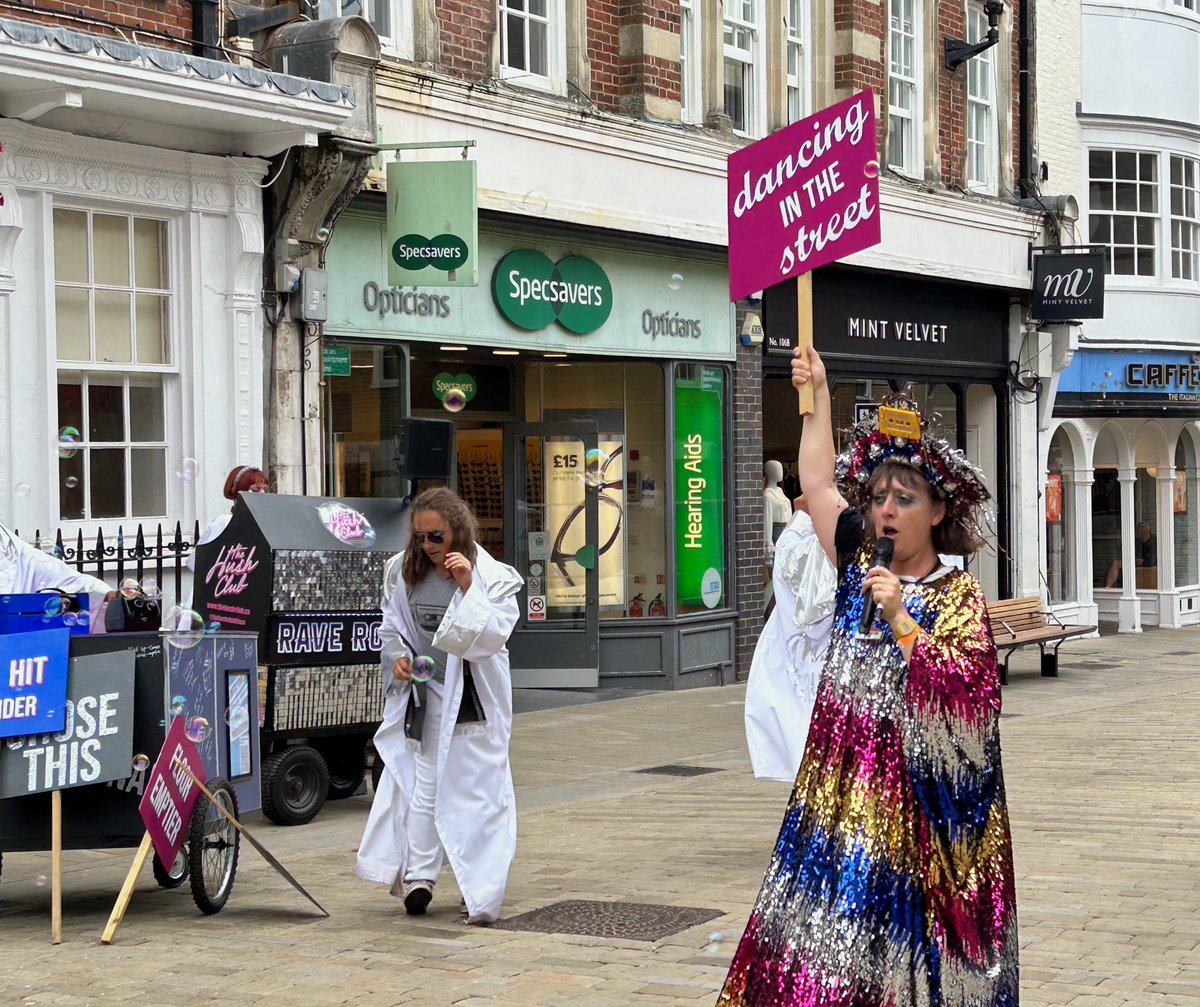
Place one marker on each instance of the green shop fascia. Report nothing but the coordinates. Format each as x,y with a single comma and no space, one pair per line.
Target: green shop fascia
600,301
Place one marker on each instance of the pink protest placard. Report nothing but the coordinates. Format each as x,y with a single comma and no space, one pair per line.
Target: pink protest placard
166,806
804,196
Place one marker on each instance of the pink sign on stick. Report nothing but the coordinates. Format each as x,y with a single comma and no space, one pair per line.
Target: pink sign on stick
804,196
166,807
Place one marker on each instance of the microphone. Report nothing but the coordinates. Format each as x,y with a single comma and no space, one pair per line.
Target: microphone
884,548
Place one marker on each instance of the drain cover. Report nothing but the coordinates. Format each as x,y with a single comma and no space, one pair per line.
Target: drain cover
679,770
634,921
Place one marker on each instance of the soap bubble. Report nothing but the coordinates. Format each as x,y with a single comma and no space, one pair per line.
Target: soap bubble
71,482
141,763
213,627
68,442
717,937
68,619
41,881
187,469
676,281
56,605
82,618
150,589
22,489
129,588
594,462
535,201
871,169
423,668
178,706
198,730
185,628
455,401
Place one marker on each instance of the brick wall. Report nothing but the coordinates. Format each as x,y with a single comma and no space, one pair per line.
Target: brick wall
115,18
748,502
467,27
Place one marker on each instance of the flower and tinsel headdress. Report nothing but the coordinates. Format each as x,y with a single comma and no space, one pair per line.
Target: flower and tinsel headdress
896,432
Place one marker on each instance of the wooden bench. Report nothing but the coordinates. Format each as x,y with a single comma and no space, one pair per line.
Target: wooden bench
1022,622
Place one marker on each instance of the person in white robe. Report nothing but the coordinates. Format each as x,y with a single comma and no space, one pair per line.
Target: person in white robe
25,569
787,662
446,792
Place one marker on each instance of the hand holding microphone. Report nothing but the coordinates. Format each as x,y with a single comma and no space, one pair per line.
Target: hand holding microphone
878,588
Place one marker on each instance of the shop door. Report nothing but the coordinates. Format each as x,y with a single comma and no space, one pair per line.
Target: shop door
553,512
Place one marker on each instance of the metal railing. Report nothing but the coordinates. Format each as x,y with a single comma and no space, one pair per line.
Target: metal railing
115,557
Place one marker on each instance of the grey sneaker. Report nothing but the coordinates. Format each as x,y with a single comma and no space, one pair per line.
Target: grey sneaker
417,895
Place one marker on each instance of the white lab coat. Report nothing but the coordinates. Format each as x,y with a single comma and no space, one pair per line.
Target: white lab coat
476,807
25,569
790,654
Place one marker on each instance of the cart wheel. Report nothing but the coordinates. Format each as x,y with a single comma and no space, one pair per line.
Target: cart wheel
295,781
346,760
213,848
174,877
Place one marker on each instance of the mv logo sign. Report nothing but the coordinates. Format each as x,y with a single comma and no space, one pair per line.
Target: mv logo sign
1068,287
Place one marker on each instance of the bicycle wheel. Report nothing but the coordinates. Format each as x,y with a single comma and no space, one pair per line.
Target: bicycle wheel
213,845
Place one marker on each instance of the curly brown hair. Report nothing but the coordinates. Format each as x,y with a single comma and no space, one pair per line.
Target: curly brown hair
954,535
457,515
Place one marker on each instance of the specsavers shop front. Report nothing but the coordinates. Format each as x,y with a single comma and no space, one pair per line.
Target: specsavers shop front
588,380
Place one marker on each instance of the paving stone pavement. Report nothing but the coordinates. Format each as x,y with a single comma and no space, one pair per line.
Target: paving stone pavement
1103,780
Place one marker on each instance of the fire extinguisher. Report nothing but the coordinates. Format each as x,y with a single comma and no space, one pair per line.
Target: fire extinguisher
636,609
658,606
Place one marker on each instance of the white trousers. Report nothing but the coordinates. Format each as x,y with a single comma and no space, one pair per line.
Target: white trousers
425,853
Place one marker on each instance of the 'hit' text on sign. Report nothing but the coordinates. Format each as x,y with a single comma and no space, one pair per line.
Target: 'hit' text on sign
804,196
33,682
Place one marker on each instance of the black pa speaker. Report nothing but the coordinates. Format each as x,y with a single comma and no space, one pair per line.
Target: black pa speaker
425,449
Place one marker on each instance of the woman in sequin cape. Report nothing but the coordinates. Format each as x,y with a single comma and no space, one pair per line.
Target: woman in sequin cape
891,881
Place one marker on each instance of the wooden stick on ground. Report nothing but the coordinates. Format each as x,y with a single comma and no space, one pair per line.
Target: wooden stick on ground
126,896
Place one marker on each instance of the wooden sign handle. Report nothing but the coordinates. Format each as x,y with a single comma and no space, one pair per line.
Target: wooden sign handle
56,867
804,334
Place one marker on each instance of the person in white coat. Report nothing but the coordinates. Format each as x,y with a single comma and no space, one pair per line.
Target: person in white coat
446,792
25,569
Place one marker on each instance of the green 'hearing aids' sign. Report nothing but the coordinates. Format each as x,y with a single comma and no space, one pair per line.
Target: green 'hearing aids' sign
700,486
533,292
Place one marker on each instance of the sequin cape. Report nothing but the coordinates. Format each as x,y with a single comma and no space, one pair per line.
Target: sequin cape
891,882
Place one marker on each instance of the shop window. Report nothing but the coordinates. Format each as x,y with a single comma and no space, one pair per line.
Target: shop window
363,409
904,89
699,437
1106,528
691,91
745,77
982,131
1145,529
112,301
1184,510
1124,209
797,68
1060,520
533,43
627,401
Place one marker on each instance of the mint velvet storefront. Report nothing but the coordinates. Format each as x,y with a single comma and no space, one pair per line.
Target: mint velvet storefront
588,380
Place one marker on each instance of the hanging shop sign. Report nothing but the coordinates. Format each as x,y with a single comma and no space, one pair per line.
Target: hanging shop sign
1054,498
94,743
534,292
804,196
1068,287
432,224
700,487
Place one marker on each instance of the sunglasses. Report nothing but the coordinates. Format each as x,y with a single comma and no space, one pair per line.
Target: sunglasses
434,537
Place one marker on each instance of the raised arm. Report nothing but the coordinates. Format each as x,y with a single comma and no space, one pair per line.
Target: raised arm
817,454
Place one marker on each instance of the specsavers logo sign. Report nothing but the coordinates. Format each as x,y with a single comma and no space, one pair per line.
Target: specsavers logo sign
532,292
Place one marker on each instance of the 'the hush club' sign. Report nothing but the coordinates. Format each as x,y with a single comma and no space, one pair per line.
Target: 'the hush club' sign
804,196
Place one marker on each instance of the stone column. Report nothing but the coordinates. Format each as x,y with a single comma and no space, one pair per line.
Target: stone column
1128,607
1080,502
712,78
1168,603
11,224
